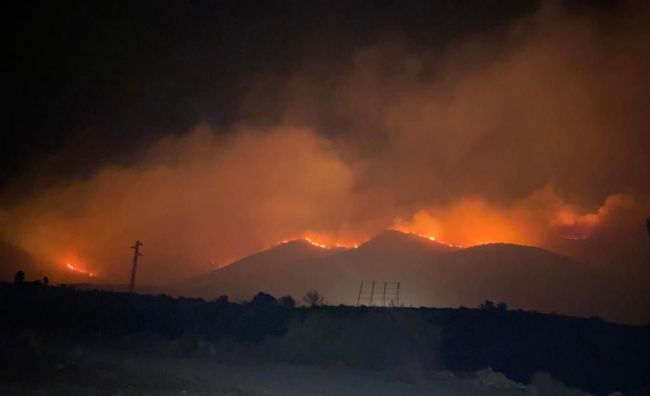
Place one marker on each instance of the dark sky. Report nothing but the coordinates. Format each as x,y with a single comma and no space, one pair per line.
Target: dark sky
88,82
213,129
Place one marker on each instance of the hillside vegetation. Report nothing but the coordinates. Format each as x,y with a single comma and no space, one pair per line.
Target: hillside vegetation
589,354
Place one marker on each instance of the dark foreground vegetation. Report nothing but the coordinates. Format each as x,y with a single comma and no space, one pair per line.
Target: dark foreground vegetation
37,322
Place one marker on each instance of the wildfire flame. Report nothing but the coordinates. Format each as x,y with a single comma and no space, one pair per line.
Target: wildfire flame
319,244
333,246
434,239
338,245
78,270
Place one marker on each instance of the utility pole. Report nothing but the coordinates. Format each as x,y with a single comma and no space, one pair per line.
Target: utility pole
647,224
136,254
359,296
397,296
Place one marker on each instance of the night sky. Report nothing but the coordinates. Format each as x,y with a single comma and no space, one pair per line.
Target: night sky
214,129
91,82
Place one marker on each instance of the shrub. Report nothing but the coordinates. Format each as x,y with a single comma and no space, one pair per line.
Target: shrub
487,304
263,299
313,298
543,384
287,302
371,339
19,277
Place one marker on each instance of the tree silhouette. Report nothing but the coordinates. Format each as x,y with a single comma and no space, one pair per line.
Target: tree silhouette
19,278
313,298
263,299
287,302
221,300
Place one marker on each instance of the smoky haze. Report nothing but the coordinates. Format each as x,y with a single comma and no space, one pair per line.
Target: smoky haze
535,134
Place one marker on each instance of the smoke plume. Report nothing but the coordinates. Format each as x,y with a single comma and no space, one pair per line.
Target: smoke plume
536,135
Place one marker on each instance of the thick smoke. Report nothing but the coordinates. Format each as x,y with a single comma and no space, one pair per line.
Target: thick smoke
534,135
197,201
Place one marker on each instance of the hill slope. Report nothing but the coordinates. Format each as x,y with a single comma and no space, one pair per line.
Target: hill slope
13,259
430,274
272,270
522,276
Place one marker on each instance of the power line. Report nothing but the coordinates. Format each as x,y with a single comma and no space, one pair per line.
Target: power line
370,293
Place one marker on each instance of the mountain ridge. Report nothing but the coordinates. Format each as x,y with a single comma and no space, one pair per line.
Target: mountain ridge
431,274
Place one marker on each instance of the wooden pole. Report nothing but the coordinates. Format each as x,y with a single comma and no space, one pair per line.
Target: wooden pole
359,297
136,254
397,297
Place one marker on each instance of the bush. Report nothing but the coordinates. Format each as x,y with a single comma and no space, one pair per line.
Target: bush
287,302
369,339
543,384
19,277
313,298
264,300
487,304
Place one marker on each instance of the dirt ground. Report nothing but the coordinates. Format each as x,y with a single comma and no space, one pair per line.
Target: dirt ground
79,372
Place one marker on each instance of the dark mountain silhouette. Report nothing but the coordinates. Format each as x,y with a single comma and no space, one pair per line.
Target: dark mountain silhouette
14,258
522,276
431,274
391,241
272,270
390,256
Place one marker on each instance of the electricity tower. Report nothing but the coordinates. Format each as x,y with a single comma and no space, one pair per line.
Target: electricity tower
136,254
378,293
